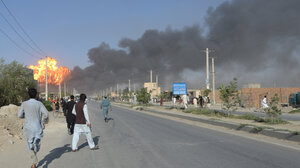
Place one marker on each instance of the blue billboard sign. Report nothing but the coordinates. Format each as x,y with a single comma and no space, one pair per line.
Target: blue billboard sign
179,89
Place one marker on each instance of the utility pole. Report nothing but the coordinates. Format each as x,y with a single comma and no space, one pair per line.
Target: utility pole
65,92
134,87
46,79
117,90
156,85
151,77
59,88
213,79
129,85
207,68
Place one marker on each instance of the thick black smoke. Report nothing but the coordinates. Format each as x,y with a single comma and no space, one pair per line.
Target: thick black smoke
255,41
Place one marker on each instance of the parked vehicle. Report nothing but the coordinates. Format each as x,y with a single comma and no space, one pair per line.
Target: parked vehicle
294,100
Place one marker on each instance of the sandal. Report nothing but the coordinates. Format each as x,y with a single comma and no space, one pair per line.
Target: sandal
95,148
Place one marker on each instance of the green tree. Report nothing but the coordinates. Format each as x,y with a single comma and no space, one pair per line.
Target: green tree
15,79
125,94
206,92
163,95
273,111
48,105
142,96
230,96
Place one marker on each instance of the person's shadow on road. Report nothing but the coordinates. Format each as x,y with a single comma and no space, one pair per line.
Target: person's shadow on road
109,119
54,154
96,140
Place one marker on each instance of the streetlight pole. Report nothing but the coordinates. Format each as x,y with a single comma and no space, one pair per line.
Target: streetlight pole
59,89
213,79
129,86
46,80
117,90
207,68
65,92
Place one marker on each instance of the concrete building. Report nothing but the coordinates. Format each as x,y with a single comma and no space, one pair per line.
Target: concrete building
114,94
153,89
251,97
252,85
194,93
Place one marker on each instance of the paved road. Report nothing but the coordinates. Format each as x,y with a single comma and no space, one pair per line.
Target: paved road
135,140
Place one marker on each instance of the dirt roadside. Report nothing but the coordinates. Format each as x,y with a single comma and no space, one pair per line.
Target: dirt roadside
13,147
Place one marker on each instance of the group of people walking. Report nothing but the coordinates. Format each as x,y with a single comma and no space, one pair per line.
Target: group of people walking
77,118
185,99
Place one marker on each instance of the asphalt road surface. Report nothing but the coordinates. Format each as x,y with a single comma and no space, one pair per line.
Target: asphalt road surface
135,140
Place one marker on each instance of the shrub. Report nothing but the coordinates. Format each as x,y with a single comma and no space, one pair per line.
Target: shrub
206,92
273,111
275,121
295,111
248,116
143,97
48,105
204,111
296,133
230,96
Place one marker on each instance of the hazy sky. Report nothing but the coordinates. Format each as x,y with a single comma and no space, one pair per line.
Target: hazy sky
67,29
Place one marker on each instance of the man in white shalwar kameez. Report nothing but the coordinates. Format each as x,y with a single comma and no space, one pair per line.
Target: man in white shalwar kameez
33,111
185,101
82,124
174,101
264,103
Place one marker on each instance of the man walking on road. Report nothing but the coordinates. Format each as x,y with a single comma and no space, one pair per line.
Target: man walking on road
105,105
185,101
69,116
82,124
33,111
264,103
63,106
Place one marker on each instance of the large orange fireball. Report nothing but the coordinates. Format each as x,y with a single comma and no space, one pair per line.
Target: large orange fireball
54,73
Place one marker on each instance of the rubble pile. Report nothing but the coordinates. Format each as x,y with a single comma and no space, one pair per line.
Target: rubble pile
10,125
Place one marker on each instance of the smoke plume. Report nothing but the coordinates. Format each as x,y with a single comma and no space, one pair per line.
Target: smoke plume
255,41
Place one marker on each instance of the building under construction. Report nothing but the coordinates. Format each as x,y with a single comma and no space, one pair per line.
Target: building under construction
251,97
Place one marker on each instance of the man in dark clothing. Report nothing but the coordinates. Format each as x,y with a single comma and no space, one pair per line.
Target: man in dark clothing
201,101
69,116
82,124
63,105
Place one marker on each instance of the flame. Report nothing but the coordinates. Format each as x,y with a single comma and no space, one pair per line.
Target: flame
54,73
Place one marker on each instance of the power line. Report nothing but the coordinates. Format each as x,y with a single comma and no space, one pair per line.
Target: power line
17,45
21,27
12,27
